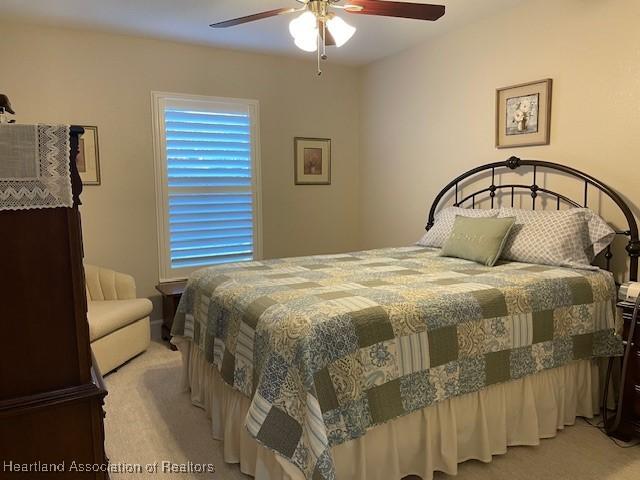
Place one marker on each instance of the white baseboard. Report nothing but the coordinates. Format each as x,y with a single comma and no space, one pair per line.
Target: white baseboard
156,329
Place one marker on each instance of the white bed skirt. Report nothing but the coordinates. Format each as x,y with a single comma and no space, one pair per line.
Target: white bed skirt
472,426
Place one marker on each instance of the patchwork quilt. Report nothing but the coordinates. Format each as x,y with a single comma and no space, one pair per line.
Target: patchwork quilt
329,346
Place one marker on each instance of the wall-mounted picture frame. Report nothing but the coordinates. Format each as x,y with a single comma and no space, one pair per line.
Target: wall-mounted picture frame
312,161
88,159
523,114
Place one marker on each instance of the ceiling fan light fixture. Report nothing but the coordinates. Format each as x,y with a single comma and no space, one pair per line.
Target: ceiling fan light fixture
304,30
308,43
340,30
303,25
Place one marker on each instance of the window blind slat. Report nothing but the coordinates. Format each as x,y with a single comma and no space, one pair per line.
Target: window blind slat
203,171
206,118
210,199
209,226
206,128
206,163
209,217
210,261
181,253
211,252
210,182
209,208
213,235
213,147
208,137
204,156
214,141
196,245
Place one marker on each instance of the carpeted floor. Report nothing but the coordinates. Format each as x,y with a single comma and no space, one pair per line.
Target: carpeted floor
149,420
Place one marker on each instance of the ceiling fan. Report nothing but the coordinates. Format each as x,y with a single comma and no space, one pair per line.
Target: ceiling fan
318,26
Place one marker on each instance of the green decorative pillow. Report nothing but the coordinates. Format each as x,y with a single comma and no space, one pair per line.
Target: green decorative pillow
478,239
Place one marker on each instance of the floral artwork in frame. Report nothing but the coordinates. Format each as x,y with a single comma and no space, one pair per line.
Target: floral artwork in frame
523,114
88,158
312,161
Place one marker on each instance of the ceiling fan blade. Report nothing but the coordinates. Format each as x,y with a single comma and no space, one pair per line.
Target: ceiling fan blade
418,11
325,34
253,18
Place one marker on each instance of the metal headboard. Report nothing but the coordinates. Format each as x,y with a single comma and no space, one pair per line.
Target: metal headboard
514,163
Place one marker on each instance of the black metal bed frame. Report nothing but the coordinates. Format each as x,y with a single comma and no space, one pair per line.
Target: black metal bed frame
514,163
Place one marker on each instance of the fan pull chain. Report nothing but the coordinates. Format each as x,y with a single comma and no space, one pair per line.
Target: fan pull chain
324,40
319,69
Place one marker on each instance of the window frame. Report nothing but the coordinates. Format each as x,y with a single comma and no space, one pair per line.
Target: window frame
159,101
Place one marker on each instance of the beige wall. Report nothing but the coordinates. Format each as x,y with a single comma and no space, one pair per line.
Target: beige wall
81,77
423,116
427,114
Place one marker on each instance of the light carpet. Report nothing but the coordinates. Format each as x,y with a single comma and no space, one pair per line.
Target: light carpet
149,420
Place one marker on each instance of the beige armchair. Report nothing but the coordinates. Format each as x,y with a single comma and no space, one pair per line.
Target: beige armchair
118,321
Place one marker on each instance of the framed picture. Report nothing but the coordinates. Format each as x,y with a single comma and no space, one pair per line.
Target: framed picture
312,163
88,159
523,114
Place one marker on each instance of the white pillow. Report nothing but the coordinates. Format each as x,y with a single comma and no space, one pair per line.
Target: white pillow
600,233
553,237
443,224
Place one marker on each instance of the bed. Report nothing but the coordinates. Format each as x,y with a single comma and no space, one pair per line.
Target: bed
384,363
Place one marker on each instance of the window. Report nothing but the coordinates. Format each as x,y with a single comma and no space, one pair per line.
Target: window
207,181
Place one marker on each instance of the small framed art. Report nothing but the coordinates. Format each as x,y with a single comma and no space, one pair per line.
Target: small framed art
88,159
312,162
523,114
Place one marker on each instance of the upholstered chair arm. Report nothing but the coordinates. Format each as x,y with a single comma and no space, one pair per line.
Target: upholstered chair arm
106,284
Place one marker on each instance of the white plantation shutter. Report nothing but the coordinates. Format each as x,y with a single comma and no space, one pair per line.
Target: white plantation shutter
206,171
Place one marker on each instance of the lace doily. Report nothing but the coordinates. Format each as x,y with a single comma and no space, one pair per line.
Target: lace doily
34,167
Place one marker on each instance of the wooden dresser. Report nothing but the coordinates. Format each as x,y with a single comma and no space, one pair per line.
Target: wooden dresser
630,424
51,398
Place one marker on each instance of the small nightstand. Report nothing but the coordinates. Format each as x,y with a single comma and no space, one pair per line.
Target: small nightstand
171,293
630,424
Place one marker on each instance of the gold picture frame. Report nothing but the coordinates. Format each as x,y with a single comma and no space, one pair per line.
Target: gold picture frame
523,114
88,158
312,161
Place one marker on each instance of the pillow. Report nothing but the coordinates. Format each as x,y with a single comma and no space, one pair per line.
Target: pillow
478,239
443,224
600,233
555,237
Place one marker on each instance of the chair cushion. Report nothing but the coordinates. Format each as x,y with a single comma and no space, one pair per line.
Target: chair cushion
107,316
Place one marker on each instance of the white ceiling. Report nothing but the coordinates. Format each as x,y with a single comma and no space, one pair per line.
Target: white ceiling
188,20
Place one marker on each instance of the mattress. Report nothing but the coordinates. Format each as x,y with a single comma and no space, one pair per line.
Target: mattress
329,347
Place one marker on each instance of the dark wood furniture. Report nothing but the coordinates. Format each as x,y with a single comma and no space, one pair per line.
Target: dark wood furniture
50,396
630,417
171,293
